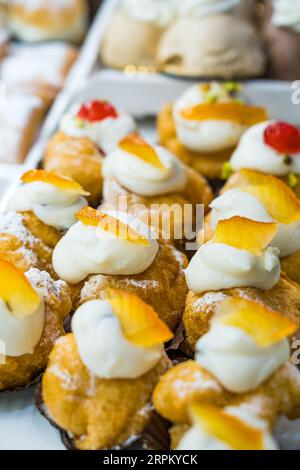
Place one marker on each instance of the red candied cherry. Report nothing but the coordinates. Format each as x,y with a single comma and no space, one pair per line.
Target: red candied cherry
283,137
94,111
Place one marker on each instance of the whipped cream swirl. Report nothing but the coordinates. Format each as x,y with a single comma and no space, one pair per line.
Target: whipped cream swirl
236,202
143,178
254,154
199,8
159,13
233,357
53,206
86,249
211,135
103,348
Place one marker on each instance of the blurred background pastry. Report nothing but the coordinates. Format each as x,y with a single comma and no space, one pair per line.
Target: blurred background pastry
281,32
4,42
3,11
133,35
38,20
40,69
210,40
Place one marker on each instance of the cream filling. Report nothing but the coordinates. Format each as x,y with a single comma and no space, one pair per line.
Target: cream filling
106,133
207,136
86,250
236,202
50,204
145,179
159,13
103,348
252,153
21,335
218,266
233,357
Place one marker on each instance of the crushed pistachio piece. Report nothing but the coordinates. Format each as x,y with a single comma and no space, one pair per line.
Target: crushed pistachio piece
227,171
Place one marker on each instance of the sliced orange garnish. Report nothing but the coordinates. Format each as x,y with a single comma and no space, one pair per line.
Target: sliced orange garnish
245,234
137,146
280,200
16,291
264,325
61,182
90,216
229,429
236,112
140,323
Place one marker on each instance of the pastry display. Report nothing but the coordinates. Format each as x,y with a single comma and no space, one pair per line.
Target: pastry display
242,370
41,20
271,147
33,308
44,68
133,35
281,33
205,124
115,250
239,261
114,358
263,198
77,158
208,40
151,182
20,117
100,121
50,200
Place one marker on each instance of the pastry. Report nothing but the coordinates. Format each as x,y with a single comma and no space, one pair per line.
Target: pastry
263,198
116,250
133,35
100,121
270,147
77,158
205,124
41,20
39,69
281,34
20,118
4,41
49,202
33,308
208,41
3,12
150,182
99,380
237,262
241,366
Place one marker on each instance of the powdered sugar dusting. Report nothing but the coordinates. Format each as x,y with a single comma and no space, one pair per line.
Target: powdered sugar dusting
201,382
209,299
12,224
67,381
44,283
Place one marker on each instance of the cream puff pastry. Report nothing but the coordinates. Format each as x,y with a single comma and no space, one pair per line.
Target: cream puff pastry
205,124
100,378
239,261
4,40
32,310
115,250
210,45
133,35
271,147
263,198
242,366
41,20
150,182
77,158
100,121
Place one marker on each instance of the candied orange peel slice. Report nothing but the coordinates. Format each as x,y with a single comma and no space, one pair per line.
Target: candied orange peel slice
16,291
96,218
235,112
137,146
265,326
227,428
140,323
279,199
245,234
61,182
